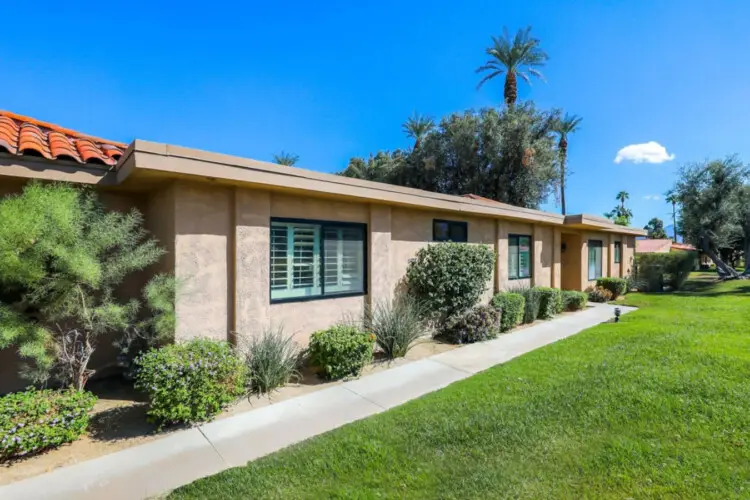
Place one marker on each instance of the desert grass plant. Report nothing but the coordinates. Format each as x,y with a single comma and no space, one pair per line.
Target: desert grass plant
397,325
272,359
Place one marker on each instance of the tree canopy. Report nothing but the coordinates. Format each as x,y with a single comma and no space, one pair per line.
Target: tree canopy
655,229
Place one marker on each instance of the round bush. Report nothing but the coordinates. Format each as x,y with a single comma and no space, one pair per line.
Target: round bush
32,421
599,294
341,351
476,324
449,278
617,286
190,382
574,301
550,302
511,306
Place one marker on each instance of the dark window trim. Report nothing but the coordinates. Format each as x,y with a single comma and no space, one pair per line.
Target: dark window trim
618,252
531,257
450,222
597,244
322,224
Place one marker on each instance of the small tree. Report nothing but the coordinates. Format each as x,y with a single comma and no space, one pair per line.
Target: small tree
287,159
655,229
62,256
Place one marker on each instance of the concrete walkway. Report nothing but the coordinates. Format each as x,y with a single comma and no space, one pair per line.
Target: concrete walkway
185,456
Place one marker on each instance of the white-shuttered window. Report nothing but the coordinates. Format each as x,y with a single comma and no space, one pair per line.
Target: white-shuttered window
311,259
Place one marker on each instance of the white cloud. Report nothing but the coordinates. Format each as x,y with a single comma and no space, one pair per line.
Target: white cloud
655,197
647,152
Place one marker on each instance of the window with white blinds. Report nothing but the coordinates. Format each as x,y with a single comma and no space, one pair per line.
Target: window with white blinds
311,259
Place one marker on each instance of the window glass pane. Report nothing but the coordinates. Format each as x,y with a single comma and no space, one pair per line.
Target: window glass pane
595,259
513,257
440,231
618,252
295,260
524,257
344,260
458,232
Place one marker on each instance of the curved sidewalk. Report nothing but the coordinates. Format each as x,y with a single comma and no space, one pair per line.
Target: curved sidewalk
183,457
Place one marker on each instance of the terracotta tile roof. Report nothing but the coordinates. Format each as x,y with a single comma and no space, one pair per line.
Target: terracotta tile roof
652,246
477,197
682,246
26,136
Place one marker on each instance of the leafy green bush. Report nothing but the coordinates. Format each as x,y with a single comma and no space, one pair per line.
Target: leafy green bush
397,325
33,421
618,286
532,304
271,358
341,351
657,271
190,382
599,294
550,302
476,324
511,306
449,278
574,300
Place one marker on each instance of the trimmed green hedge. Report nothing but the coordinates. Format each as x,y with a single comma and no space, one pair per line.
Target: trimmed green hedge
550,302
573,300
511,306
618,286
531,309
655,271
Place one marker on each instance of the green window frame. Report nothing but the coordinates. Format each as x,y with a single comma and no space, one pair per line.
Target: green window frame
316,259
618,252
519,256
450,230
595,259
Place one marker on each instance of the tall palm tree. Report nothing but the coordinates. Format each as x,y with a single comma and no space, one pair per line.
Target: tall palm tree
287,159
520,56
564,126
671,197
621,197
417,127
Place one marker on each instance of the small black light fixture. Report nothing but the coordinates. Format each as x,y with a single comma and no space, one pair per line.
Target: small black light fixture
618,312
563,247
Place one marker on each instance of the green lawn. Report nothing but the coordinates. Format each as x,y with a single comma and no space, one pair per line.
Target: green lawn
656,406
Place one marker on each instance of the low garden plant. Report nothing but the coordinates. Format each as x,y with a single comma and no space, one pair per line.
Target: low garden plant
272,359
550,302
658,271
511,306
618,286
341,351
475,325
32,421
531,305
397,325
574,300
190,382
450,278
598,294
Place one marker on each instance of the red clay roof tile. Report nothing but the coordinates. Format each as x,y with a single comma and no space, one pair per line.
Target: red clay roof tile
23,135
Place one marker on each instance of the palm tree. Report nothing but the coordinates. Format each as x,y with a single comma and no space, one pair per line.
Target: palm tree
287,159
621,197
564,126
417,127
520,56
671,197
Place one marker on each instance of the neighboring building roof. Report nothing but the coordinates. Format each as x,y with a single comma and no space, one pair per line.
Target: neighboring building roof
653,246
683,246
26,136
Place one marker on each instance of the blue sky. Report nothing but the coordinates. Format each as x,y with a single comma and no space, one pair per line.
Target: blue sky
333,80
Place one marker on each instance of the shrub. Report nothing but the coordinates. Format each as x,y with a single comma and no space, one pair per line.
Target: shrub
396,326
511,306
550,302
599,294
618,286
33,421
574,300
531,306
656,271
449,278
190,382
341,351
271,359
476,324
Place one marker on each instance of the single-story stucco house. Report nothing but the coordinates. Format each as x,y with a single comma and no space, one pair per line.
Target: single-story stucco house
257,244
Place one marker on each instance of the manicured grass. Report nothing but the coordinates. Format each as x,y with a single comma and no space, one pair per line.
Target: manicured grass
657,406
